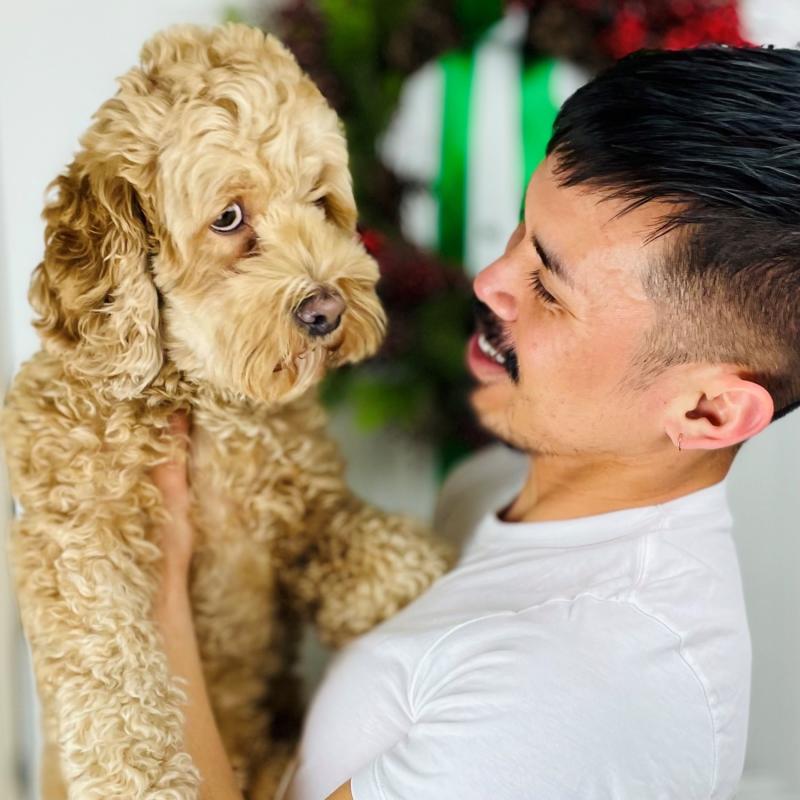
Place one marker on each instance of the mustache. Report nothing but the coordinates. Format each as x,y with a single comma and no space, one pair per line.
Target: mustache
492,327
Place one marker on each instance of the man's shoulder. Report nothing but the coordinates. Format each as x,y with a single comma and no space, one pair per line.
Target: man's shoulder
585,630
585,680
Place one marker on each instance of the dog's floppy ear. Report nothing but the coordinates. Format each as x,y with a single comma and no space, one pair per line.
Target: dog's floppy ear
94,294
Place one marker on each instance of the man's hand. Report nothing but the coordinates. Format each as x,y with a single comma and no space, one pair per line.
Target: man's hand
176,537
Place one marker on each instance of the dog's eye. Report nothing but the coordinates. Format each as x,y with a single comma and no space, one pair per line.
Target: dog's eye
322,202
229,220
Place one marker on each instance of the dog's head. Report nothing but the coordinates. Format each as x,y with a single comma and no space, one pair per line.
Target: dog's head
209,219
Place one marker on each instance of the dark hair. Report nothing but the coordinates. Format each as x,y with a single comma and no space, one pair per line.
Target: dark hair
716,131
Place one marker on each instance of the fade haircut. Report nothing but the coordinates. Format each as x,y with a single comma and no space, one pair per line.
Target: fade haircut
715,131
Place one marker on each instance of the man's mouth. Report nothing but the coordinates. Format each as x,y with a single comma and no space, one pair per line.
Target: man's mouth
488,349
493,342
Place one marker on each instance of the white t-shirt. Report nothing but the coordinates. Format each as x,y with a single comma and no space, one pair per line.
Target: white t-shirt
597,657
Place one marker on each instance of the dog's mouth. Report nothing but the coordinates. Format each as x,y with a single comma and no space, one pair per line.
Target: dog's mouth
494,341
330,354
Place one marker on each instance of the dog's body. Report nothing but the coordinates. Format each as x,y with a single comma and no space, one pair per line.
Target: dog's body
144,311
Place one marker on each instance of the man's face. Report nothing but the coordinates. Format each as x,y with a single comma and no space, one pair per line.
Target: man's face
573,351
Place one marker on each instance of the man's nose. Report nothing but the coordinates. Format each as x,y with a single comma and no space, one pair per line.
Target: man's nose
494,286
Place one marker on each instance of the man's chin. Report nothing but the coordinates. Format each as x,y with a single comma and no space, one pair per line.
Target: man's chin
492,408
490,400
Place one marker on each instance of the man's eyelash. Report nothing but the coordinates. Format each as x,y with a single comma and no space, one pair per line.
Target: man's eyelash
537,287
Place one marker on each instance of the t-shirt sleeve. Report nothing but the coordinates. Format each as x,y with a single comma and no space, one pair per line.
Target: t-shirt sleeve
582,699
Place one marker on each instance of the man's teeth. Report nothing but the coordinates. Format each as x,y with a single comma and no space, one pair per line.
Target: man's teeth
487,349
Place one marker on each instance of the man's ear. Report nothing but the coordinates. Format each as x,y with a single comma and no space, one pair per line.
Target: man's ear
97,303
725,410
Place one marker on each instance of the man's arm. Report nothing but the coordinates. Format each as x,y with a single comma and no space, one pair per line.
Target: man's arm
173,616
342,793
203,742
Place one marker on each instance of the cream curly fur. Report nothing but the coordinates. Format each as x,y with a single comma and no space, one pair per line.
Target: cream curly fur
143,309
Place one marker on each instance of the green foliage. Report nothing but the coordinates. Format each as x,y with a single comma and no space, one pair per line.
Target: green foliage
380,398
476,16
357,35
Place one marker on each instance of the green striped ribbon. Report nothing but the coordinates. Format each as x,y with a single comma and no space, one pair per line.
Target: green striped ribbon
538,114
458,67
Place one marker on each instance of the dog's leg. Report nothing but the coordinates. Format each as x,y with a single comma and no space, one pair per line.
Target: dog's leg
100,669
366,565
353,565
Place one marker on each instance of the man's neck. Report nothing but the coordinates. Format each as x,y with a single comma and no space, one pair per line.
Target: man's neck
565,487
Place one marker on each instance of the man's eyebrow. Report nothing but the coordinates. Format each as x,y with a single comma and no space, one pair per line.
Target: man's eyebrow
551,263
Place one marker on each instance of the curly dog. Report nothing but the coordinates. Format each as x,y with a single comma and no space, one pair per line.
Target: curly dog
200,253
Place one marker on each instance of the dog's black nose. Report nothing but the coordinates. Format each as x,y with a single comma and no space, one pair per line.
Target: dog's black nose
320,313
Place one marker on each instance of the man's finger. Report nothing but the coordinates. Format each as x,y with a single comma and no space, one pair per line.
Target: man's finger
179,423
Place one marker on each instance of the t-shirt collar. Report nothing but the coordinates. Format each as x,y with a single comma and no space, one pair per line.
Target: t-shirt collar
704,506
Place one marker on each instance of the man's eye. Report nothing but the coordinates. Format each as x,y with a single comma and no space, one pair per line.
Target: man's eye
229,220
539,289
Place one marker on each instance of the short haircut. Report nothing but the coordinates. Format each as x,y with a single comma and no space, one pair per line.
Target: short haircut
716,131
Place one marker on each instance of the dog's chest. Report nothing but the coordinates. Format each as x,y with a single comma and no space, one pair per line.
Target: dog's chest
246,485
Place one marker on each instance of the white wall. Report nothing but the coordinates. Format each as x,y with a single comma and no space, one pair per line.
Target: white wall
57,61
8,628
765,501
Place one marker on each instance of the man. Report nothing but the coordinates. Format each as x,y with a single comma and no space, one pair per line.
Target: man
642,323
